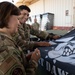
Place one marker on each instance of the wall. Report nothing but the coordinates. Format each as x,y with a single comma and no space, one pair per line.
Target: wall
74,13
62,9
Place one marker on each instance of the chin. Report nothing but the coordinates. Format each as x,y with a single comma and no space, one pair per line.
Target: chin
24,21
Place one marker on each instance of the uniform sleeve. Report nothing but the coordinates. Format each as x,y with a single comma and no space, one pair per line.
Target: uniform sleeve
25,45
31,68
31,65
43,34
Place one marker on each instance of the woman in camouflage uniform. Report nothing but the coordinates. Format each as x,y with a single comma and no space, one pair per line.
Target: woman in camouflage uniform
12,59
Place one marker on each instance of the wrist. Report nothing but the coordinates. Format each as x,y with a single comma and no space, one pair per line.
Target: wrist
34,62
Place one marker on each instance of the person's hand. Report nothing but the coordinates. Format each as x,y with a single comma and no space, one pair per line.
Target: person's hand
52,36
56,37
43,43
36,55
28,56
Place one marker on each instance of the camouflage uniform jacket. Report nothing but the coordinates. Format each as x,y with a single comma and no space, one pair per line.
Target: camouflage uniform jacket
23,36
12,59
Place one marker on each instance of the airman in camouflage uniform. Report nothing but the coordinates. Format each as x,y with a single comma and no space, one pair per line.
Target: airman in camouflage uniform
23,37
35,25
12,58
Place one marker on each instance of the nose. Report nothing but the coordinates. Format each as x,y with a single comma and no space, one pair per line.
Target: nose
26,16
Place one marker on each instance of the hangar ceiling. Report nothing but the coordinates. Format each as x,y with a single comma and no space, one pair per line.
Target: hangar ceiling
26,2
